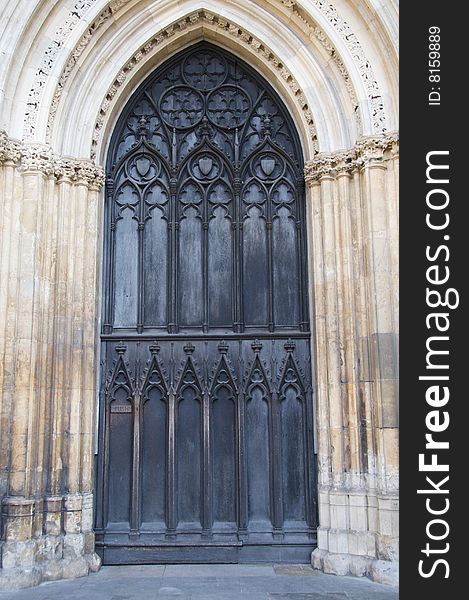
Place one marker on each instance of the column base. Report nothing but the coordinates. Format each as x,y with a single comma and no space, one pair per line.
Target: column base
49,560
14,576
46,539
380,571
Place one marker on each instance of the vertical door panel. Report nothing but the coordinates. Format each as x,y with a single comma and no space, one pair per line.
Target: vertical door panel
120,473
293,473
126,270
255,269
188,449
220,269
258,459
285,268
191,277
156,269
223,427
154,457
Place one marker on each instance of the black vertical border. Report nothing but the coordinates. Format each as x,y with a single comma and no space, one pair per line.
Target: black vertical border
426,128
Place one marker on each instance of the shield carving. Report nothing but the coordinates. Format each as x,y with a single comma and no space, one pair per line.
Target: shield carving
205,165
268,165
143,165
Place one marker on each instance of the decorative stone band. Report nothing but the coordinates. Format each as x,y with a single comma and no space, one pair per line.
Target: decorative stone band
82,6
190,21
368,151
31,157
303,17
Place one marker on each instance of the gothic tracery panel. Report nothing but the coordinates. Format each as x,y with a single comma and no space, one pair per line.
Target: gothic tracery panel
204,176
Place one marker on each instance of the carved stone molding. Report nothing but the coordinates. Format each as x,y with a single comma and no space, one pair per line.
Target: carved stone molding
73,58
363,64
190,22
370,150
341,26
47,63
317,33
115,5
10,150
326,44
37,157
314,31
351,41
30,157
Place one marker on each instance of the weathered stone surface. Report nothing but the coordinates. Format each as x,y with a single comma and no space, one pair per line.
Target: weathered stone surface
359,566
336,564
46,568
53,555
52,571
19,554
17,579
317,558
94,562
77,567
383,571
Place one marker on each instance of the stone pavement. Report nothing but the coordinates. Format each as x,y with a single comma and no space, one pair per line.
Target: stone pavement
208,582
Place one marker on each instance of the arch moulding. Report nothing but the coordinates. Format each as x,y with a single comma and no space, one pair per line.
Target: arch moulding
337,112
321,63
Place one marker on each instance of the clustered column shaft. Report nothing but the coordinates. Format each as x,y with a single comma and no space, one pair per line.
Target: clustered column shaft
353,248
48,307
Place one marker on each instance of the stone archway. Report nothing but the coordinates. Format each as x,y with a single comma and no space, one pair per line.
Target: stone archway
52,200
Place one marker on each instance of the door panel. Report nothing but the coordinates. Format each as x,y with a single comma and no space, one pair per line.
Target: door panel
258,459
155,259
223,429
205,444
154,457
189,458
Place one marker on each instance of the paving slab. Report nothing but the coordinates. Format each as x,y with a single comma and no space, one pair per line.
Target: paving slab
309,596
219,571
208,582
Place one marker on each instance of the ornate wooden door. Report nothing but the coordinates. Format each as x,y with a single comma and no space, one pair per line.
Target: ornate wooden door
206,417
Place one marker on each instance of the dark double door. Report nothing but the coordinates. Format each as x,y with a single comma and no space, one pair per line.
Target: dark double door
206,416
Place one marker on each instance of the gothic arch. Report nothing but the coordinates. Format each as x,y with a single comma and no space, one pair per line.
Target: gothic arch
322,67
67,72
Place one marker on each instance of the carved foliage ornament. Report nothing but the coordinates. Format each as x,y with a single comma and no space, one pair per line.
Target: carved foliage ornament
40,157
356,52
86,38
364,66
317,33
47,63
367,151
10,150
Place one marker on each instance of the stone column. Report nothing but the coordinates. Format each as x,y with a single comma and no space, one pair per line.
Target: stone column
354,273
48,310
